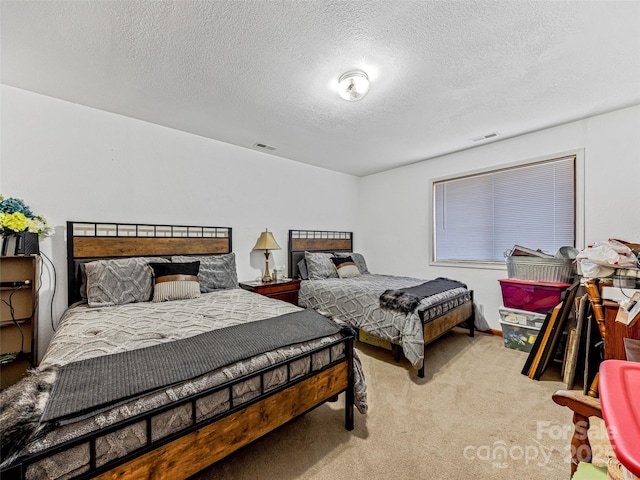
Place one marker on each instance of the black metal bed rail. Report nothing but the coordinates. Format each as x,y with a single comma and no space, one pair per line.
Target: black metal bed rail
320,234
18,470
145,230
463,298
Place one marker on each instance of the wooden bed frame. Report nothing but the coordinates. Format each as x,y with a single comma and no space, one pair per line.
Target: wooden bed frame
337,241
204,442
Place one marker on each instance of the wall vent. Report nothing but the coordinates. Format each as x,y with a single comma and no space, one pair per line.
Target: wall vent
264,146
488,136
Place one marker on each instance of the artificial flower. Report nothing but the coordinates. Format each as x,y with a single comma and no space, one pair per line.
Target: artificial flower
16,216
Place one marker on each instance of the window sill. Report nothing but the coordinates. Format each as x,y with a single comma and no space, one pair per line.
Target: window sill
469,264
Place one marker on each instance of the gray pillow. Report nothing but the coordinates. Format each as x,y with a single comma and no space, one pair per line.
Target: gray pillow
319,265
82,269
302,270
120,281
358,259
216,271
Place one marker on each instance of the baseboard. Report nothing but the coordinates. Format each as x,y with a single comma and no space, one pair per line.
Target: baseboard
493,331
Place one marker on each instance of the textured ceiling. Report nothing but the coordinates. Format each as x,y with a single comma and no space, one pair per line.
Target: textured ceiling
266,71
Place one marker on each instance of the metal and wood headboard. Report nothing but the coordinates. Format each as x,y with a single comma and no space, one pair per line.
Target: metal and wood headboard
301,241
88,241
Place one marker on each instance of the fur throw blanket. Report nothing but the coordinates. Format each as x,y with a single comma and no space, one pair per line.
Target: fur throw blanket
21,406
406,300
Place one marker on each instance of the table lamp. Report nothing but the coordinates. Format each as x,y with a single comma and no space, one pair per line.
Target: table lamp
266,242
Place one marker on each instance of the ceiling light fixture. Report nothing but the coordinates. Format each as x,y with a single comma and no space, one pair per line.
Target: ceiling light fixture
353,85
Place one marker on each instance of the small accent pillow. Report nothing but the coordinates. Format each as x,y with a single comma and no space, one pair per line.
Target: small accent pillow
175,281
120,281
346,267
216,271
320,266
358,259
302,270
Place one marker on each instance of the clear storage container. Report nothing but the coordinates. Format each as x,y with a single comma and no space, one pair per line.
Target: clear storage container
521,317
519,337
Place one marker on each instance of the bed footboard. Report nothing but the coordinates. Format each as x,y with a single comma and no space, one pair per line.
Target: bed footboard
463,314
198,450
207,441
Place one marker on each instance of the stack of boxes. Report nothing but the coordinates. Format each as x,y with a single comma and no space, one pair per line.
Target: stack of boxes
534,287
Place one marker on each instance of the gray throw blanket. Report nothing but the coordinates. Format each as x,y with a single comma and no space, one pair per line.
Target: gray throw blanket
406,300
99,382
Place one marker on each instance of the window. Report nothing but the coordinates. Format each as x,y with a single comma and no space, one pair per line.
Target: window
477,218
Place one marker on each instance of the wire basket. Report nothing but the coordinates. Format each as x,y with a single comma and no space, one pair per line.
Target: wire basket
535,269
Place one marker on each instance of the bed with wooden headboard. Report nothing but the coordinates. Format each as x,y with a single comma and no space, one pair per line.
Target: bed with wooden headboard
357,300
175,430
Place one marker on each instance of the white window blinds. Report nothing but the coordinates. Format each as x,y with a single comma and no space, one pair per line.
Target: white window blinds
479,217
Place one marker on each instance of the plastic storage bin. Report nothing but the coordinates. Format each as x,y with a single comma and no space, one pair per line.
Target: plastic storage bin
521,317
531,296
535,269
519,337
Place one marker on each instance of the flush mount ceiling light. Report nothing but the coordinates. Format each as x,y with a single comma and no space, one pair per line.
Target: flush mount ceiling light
354,85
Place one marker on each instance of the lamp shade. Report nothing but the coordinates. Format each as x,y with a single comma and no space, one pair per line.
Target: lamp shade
266,242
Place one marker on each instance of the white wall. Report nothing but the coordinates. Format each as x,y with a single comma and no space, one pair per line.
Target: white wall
70,162
394,213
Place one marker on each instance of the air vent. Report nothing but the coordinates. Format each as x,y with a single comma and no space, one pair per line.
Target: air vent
488,136
264,146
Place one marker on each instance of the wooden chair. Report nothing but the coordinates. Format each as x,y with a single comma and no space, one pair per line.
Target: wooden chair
592,286
583,407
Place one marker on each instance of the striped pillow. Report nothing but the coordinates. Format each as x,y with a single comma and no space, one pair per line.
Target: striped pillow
346,267
175,281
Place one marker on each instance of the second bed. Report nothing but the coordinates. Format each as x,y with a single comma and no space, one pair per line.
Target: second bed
356,300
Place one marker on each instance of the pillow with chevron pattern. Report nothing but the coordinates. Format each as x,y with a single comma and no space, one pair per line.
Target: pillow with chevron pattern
216,271
120,281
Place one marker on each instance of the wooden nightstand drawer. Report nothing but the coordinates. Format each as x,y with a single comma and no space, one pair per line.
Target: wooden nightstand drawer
285,290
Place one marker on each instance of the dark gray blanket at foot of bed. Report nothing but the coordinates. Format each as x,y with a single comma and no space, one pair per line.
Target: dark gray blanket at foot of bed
96,383
407,299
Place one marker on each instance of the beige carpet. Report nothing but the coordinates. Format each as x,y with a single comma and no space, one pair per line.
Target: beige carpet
474,416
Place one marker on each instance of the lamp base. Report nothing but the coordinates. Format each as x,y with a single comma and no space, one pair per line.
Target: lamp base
266,278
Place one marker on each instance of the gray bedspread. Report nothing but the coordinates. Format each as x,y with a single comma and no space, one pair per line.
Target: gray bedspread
98,382
86,333
357,302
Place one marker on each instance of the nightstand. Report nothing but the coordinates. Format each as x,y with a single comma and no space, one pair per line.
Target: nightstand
286,290
18,317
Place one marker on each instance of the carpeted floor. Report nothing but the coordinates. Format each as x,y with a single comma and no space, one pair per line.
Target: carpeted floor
474,416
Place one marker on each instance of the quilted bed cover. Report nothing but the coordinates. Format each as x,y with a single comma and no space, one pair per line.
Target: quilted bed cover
90,332
357,302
